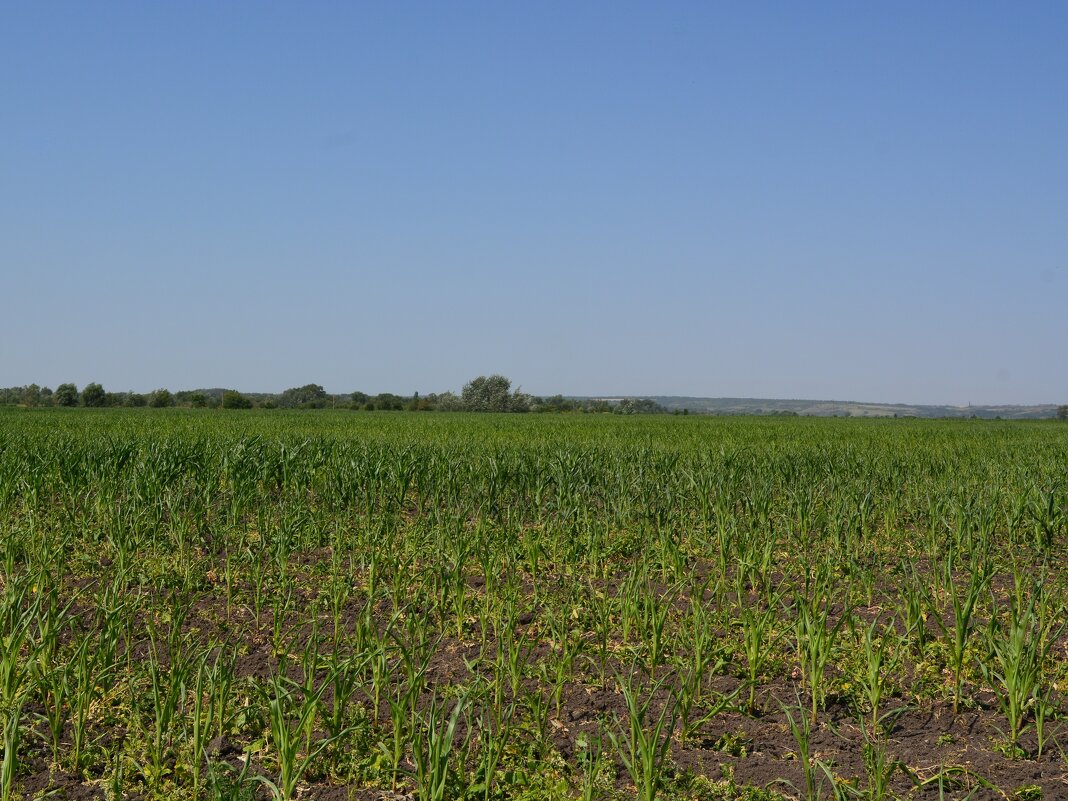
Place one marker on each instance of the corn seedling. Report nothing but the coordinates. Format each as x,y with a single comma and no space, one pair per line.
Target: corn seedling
432,746
642,741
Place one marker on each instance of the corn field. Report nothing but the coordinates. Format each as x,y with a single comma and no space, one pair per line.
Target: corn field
337,605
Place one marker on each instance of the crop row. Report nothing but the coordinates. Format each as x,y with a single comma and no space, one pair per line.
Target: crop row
467,607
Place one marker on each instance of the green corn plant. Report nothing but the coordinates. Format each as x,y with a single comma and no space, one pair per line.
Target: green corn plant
758,641
52,685
703,655
14,664
83,675
554,673
402,711
800,725
690,699
432,746
229,581
604,620
306,688
513,655
365,635
496,730
258,573
339,588
539,706
653,613
879,765
815,644
642,741
1018,648
415,656
219,678
11,724
198,721
962,599
117,779
289,714
917,601
51,618
224,783
380,671
863,579
1045,709
590,759
634,602
281,608
880,647
345,672
403,703
374,645
1047,519
166,690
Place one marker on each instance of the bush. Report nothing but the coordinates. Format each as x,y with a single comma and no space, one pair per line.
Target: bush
235,400
94,395
160,399
493,394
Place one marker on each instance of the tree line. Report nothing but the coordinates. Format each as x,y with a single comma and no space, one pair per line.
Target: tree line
492,393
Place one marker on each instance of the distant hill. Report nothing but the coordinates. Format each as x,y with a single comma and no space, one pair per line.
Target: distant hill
824,408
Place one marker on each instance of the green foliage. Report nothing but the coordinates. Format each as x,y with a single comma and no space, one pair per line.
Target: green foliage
438,604
160,399
639,406
493,394
94,395
643,738
309,396
66,395
33,395
235,400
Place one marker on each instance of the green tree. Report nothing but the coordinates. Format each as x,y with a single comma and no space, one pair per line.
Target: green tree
556,403
198,400
1062,412
449,402
94,395
232,399
311,396
66,395
639,406
31,395
160,399
492,394
389,402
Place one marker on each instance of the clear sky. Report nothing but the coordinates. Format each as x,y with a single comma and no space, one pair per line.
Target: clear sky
855,201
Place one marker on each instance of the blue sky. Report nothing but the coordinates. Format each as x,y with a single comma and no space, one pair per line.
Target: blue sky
853,201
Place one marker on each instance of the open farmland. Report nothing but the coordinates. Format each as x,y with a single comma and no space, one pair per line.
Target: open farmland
327,605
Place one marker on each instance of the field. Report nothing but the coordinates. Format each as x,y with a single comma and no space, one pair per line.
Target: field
336,605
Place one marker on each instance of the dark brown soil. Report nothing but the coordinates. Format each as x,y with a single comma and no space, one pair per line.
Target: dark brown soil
925,737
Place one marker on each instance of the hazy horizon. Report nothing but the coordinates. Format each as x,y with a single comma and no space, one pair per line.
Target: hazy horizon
846,202
593,396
